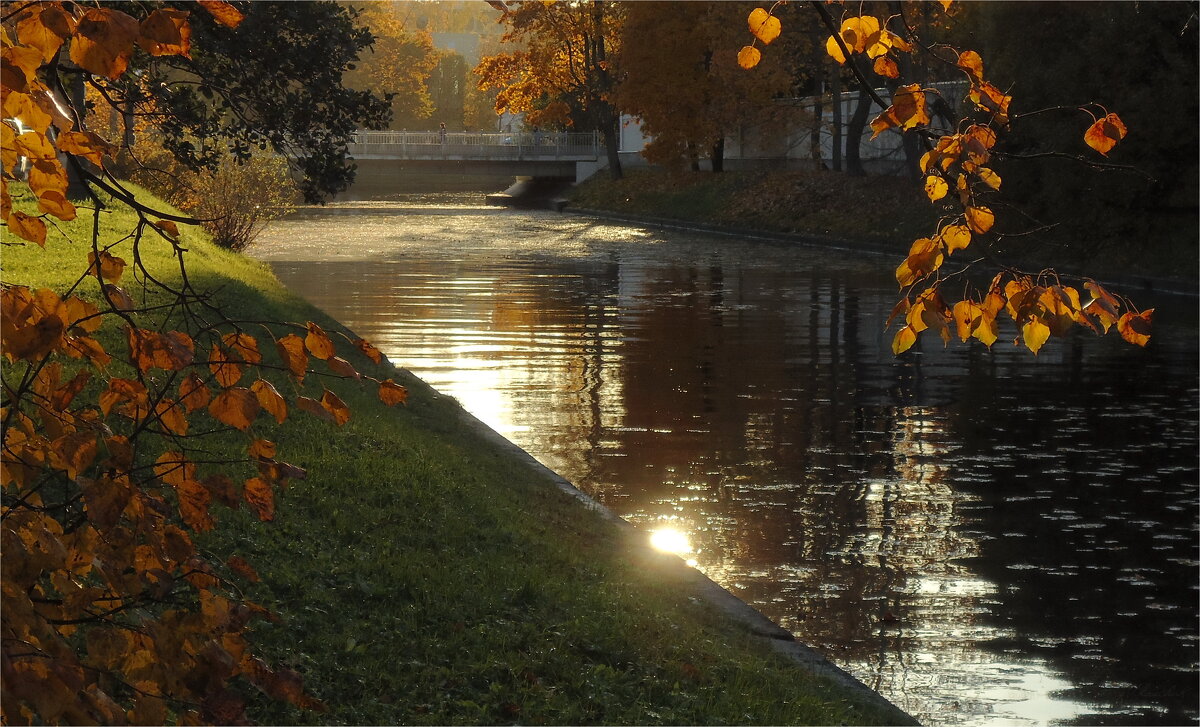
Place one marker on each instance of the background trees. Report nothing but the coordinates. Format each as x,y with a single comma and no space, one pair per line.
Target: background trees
686,87
561,75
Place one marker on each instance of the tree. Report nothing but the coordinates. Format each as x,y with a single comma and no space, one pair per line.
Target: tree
685,87
117,404
274,80
959,178
562,75
400,65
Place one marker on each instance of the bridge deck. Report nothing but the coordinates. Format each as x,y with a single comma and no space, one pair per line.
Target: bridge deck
417,145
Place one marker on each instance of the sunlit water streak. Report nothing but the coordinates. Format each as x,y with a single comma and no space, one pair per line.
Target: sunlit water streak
984,538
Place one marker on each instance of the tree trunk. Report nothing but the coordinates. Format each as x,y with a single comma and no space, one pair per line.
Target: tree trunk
608,117
693,157
718,155
912,143
814,138
76,189
836,93
854,135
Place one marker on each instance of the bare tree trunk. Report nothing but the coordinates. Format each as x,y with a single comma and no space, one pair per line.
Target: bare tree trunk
608,117
836,93
814,138
854,135
718,155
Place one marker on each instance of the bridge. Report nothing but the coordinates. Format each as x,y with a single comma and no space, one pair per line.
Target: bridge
533,154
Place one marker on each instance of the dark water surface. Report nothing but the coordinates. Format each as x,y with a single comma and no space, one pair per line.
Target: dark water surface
983,537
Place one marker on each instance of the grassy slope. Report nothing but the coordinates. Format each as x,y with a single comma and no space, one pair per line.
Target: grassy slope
422,576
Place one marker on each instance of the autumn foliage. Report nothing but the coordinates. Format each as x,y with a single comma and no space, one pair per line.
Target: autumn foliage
120,396
958,178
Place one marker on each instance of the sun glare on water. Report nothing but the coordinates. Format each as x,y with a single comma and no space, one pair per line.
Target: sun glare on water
672,540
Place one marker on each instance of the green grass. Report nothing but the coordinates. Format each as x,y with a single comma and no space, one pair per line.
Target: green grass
422,575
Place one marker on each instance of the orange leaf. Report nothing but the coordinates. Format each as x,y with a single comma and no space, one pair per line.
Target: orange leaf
295,358
1135,328
238,565
970,62
103,42
54,202
226,369
110,268
118,298
26,227
171,416
886,67
168,227
85,144
270,399
1104,134
222,12
193,505
193,394
342,367
336,407
263,448
980,219
317,342
748,57
391,393
45,30
173,468
368,350
165,32
763,25
236,407
966,315
260,497
36,146
312,406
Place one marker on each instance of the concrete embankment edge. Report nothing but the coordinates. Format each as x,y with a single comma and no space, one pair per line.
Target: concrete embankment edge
1130,283
736,610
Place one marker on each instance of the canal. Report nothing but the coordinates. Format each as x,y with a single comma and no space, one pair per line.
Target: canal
984,537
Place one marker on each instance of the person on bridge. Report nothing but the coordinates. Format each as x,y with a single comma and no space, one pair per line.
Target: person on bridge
442,133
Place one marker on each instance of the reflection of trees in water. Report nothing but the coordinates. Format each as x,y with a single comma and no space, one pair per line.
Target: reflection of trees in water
983,499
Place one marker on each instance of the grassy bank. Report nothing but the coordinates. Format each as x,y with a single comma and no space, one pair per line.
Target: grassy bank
891,212
424,575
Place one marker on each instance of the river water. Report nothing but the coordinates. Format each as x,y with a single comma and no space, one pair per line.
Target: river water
982,537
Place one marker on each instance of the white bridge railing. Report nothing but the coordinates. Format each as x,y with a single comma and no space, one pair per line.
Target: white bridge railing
548,146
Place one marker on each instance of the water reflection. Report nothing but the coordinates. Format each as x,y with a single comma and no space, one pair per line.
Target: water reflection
982,537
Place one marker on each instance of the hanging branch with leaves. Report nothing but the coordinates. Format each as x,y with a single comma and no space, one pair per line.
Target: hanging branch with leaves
958,179
111,613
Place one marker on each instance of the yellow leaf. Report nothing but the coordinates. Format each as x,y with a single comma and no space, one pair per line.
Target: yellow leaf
763,25
1104,134
956,237
834,50
980,219
904,340
935,187
966,313
748,57
988,177
222,12
1035,333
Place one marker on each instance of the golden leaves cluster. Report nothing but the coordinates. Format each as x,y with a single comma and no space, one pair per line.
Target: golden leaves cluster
957,176
111,613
